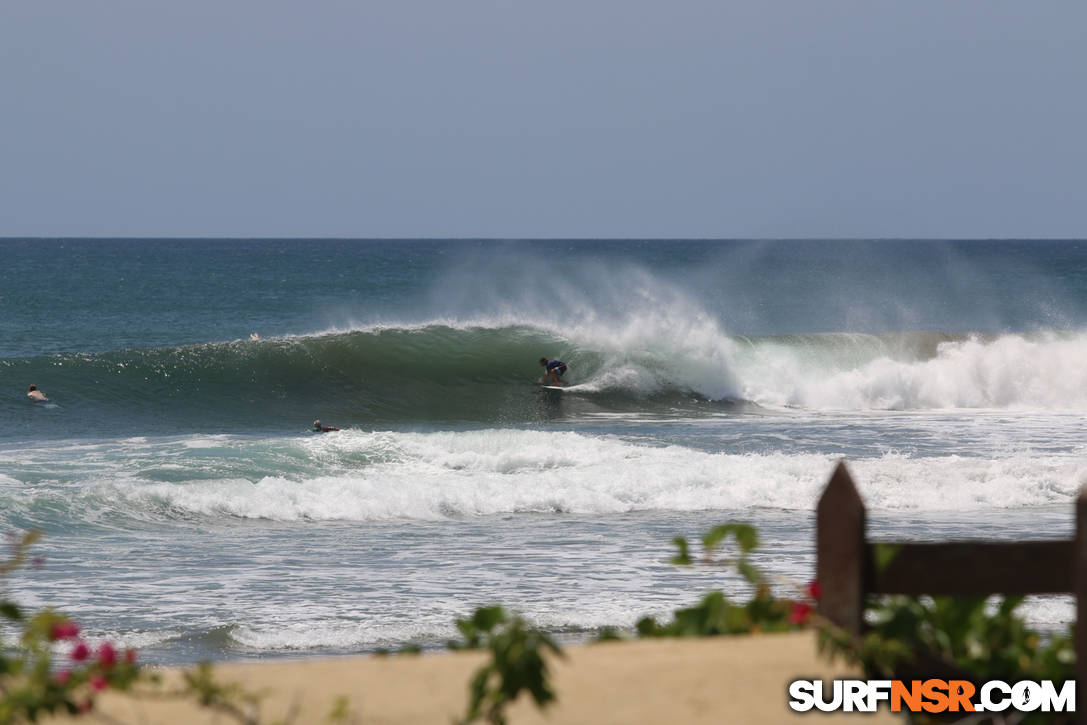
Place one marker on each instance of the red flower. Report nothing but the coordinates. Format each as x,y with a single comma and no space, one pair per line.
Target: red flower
80,652
98,683
815,590
62,677
107,656
800,612
64,630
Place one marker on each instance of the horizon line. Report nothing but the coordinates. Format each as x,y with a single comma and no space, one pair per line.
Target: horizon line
545,239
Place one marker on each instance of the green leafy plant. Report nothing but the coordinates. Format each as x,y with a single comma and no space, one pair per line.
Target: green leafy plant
965,637
51,669
32,683
969,638
518,662
716,614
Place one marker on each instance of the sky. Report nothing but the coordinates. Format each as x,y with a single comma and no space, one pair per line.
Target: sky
559,119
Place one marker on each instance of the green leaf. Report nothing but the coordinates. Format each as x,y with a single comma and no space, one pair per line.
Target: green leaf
683,558
517,651
715,536
647,627
485,618
883,555
10,611
749,572
747,537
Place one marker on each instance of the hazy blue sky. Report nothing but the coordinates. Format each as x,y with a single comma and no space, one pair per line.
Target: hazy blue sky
440,118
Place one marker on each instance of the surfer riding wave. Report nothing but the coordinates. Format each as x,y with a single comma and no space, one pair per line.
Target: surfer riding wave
555,370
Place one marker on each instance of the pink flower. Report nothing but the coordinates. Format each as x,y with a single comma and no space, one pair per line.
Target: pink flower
80,652
64,630
107,656
98,683
800,612
62,677
815,589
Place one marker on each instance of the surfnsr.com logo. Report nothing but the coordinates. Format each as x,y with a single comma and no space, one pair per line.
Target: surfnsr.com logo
933,696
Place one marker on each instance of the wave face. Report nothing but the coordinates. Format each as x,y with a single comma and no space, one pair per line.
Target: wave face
433,333
430,373
475,374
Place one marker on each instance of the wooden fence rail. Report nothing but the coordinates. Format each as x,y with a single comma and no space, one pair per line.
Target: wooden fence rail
846,567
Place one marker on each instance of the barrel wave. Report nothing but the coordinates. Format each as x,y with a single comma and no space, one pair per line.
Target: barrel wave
190,511
412,374
444,372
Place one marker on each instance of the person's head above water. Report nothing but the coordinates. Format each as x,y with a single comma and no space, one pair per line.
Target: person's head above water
316,424
33,387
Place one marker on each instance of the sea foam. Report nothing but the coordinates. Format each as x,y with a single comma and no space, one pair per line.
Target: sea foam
380,476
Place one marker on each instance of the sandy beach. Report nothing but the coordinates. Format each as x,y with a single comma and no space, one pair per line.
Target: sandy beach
740,679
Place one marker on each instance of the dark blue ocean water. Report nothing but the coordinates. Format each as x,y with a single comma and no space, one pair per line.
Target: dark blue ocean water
391,330
98,295
188,510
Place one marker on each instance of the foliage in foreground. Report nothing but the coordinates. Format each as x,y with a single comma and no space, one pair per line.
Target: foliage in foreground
907,638
971,638
30,685
716,613
518,662
38,679
963,636
966,637
52,670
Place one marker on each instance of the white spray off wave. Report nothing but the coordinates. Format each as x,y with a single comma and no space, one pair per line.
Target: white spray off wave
632,331
1038,372
662,340
623,327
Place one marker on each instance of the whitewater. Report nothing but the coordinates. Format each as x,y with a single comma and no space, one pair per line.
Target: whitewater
189,511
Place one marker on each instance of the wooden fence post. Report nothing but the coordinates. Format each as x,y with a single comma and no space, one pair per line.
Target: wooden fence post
841,555
845,568
1079,582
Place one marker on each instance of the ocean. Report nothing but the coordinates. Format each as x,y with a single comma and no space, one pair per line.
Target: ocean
189,511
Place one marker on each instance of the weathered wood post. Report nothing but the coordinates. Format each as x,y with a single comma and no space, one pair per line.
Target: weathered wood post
1079,584
841,566
846,570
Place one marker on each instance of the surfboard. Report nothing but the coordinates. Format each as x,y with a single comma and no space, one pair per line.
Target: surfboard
552,387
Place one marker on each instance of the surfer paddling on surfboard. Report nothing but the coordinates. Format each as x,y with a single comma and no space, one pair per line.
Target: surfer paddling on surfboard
554,373
318,428
36,396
